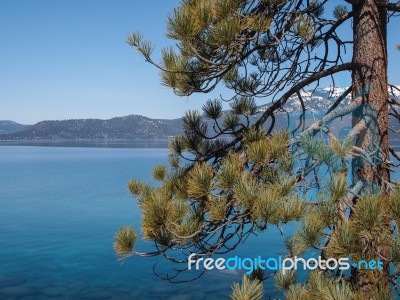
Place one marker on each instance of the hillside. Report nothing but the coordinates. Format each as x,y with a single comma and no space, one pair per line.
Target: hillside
7,127
129,127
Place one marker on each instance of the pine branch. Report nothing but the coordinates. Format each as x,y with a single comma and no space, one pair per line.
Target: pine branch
314,77
391,6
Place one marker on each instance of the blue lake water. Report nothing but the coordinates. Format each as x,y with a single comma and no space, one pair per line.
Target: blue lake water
59,210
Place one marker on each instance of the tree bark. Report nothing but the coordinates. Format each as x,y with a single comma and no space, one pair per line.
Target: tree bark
369,77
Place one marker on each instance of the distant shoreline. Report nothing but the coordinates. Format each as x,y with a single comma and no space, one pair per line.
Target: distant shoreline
113,143
91,143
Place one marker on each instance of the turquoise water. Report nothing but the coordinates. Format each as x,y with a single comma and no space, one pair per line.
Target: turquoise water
59,210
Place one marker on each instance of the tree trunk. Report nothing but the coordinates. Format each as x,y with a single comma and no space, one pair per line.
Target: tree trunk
369,78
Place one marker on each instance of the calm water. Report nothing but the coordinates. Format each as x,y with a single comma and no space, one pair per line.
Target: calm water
59,210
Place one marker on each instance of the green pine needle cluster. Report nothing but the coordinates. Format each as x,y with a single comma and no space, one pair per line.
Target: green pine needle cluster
327,287
285,281
247,290
125,239
192,196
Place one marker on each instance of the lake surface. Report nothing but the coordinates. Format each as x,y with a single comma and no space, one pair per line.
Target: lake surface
59,210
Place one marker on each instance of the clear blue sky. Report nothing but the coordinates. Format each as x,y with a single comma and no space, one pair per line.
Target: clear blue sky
68,59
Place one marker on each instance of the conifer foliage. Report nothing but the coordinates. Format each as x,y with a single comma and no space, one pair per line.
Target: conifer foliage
232,173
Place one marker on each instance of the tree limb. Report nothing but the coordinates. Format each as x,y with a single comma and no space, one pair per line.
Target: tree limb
391,6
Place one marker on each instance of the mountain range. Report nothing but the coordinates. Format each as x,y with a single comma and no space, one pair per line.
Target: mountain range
128,127
135,127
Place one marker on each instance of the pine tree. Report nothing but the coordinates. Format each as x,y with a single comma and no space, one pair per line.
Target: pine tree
233,173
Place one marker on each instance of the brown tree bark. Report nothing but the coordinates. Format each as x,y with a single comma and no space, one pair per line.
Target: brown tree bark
369,77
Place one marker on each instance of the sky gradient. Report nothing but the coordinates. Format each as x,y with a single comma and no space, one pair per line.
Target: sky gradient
69,59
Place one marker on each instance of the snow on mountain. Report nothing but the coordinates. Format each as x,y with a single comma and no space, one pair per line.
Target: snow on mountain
395,92
320,99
